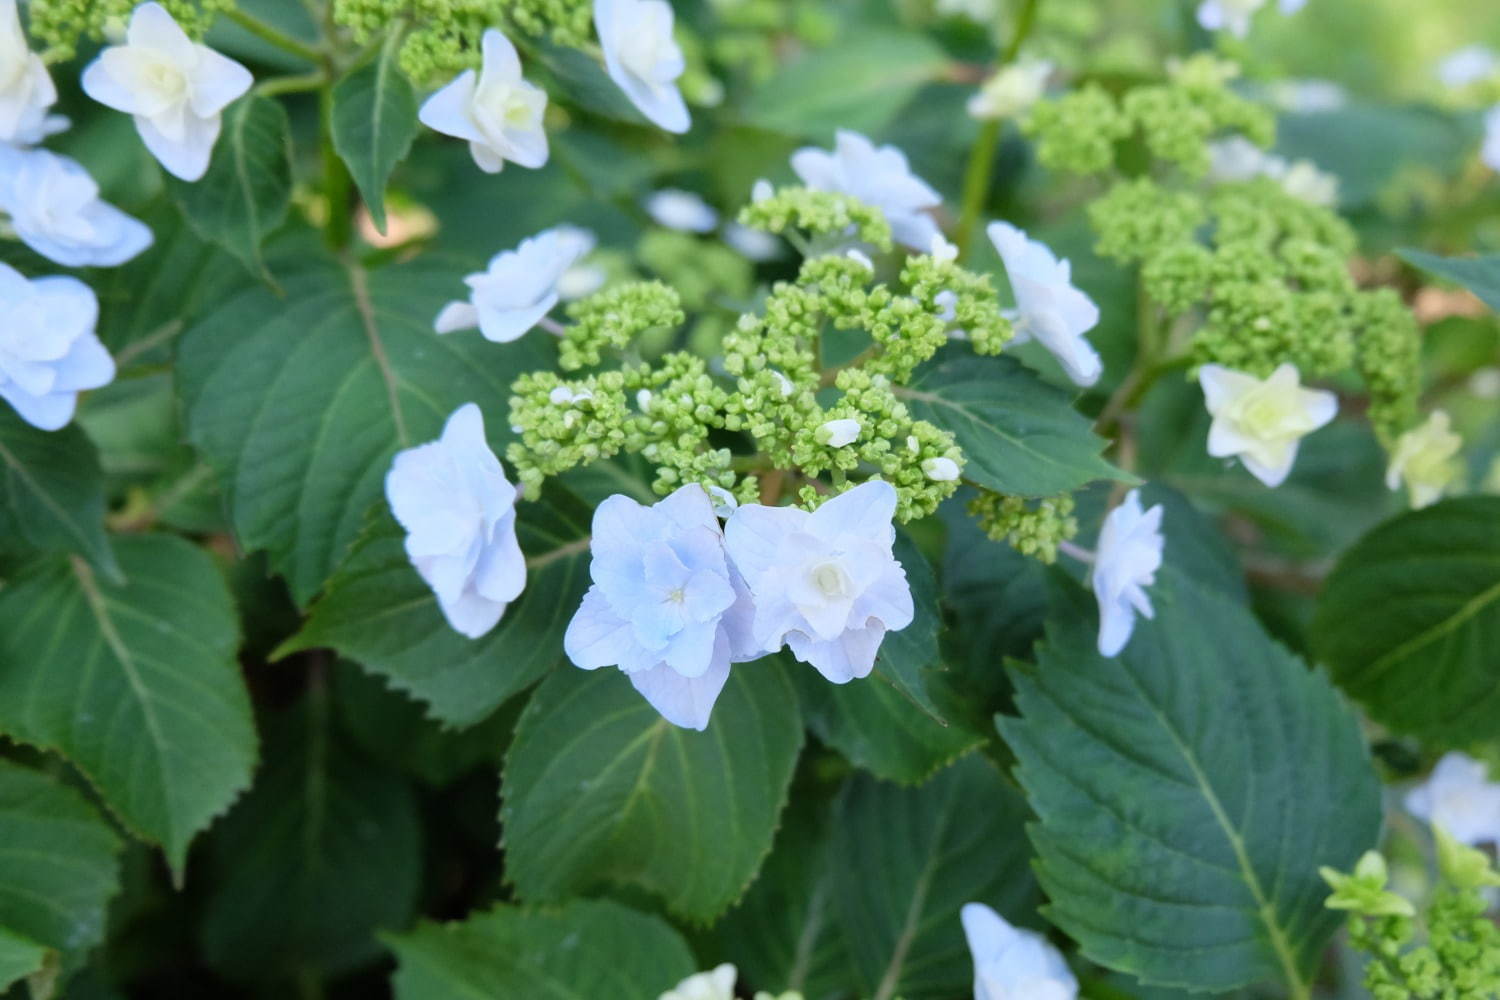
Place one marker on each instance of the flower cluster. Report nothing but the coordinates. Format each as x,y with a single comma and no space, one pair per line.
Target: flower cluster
1032,527
61,25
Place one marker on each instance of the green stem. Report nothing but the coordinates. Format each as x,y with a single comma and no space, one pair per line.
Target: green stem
337,185
274,36
297,84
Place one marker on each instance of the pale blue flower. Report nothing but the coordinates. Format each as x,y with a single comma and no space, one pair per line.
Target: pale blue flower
496,110
681,210
1049,308
55,208
879,177
1012,963
643,59
48,349
26,90
825,583
1459,797
666,607
459,512
1130,548
518,289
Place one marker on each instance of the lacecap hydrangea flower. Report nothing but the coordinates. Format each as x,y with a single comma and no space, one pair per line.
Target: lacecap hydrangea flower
459,512
26,90
716,984
1012,91
878,176
1049,309
1425,460
1468,65
55,208
496,110
1125,564
1235,15
1013,963
1459,797
643,58
666,606
518,288
681,210
48,349
1262,421
176,88
824,583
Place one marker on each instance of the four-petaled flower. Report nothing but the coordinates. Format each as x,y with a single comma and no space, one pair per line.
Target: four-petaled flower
1426,460
643,58
496,110
459,512
716,984
518,288
825,583
1459,797
1234,15
1049,308
878,176
1262,421
1128,556
1012,91
48,349
666,607
26,90
55,209
175,88
1013,963
681,210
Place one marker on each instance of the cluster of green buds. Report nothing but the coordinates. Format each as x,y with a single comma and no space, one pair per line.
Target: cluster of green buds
781,418
61,25
1460,958
1033,528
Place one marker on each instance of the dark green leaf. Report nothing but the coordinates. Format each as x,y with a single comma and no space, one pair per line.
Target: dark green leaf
374,123
599,788
136,683
19,958
51,493
581,951
1187,792
905,655
1019,435
1480,275
1409,621
579,78
245,194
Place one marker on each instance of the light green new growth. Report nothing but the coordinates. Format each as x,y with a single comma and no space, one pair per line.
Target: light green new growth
823,215
613,318
1032,527
60,25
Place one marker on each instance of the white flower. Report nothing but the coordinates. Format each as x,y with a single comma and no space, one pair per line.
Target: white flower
715,985
563,396
497,111
643,58
1425,460
1307,96
666,607
1238,159
1303,180
1262,421
825,583
1012,963
1050,309
48,349
1011,92
582,278
761,190
643,399
753,244
175,88
1459,797
1129,554
838,433
459,512
879,177
518,288
1490,151
26,90
861,258
681,210
1467,65
942,250
783,384
941,469
54,207
1215,15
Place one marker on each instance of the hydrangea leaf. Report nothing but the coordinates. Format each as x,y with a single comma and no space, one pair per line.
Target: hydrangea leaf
599,788
324,849
956,839
135,682
1019,435
300,400
58,870
52,493
1480,275
579,951
374,123
1254,770
1409,621
906,654
378,612
245,194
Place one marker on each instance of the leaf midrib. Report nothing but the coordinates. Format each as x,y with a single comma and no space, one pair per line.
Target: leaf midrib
1468,610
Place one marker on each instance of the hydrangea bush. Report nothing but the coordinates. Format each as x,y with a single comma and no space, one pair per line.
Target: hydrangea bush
804,501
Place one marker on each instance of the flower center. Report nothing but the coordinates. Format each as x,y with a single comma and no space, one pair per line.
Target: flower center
676,596
641,52
830,580
166,79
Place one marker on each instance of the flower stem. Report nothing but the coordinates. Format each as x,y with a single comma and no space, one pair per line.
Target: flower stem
337,185
274,36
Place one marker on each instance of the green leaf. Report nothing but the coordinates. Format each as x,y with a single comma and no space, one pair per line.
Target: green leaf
905,860
324,850
19,958
599,788
136,683
577,77
1480,275
859,83
51,493
1187,792
300,400
374,123
1019,435
905,655
245,194
378,612
58,869
580,951
1409,621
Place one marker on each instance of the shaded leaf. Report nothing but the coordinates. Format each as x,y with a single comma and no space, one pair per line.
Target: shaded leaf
1480,275
905,655
374,123
51,493
19,958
